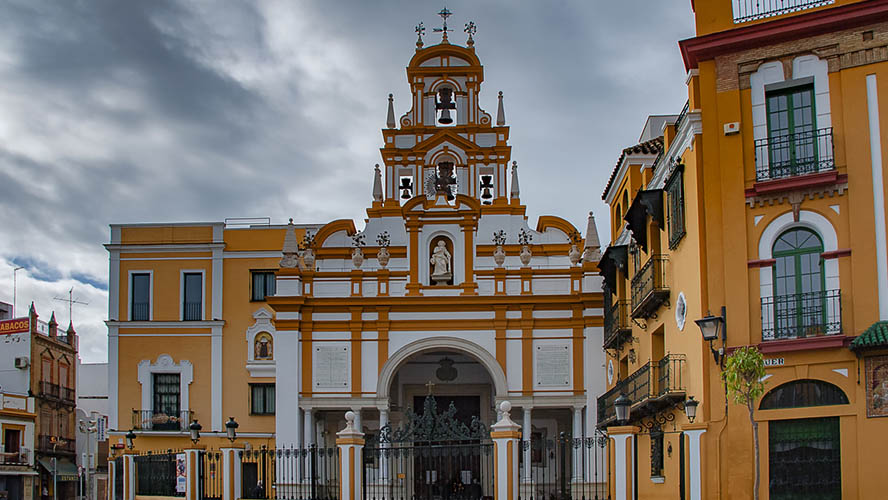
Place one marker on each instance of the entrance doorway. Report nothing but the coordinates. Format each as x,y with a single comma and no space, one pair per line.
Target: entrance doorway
804,459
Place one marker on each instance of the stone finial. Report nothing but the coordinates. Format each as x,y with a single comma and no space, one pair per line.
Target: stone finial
592,252
514,192
350,432
70,331
505,422
390,118
290,251
500,113
53,326
377,183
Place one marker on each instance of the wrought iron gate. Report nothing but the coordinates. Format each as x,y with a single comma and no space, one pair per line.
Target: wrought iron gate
209,467
290,473
564,468
431,456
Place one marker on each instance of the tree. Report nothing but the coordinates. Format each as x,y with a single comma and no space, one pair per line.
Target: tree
743,375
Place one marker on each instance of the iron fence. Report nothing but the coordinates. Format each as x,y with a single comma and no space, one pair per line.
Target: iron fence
150,420
802,315
157,473
789,155
564,468
458,470
140,311
192,311
669,374
210,474
750,10
118,478
616,322
649,288
290,473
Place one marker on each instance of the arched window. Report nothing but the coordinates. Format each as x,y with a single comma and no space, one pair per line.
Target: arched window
799,303
802,393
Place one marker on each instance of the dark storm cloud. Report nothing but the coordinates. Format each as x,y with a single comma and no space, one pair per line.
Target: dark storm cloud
114,112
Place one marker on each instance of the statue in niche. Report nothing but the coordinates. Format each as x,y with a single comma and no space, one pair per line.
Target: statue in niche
441,267
263,347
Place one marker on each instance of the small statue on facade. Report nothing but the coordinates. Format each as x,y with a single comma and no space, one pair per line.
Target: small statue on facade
440,260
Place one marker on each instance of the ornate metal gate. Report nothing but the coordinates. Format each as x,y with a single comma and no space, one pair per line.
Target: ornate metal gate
564,468
432,456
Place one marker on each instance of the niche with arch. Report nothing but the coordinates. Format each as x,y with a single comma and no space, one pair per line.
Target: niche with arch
440,261
260,344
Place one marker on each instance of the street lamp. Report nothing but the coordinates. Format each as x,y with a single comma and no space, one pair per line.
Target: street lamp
690,407
88,427
712,328
130,439
195,431
231,429
621,407
55,463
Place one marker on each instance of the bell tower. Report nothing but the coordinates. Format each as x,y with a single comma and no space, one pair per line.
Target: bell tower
445,134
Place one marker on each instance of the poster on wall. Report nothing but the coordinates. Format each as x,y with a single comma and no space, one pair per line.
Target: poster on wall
876,386
180,473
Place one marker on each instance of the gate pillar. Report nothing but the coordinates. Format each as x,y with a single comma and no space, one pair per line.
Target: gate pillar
623,488
350,442
129,475
506,438
192,473
231,473
112,476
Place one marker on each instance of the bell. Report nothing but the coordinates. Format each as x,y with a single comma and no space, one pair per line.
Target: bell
486,194
406,188
445,104
445,117
405,194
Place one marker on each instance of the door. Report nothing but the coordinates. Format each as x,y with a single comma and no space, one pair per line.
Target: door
791,134
798,285
166,411
804,459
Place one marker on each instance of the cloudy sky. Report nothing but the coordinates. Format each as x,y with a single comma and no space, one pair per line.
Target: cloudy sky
162,111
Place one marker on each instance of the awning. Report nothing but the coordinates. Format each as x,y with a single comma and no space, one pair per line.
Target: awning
67,470
16,471
614,258
649,202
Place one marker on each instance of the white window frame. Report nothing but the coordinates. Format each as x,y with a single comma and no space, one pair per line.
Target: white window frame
203,294
164,364
129,295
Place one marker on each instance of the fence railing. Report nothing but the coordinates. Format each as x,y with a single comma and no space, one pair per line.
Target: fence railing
616,323
140,311
656,381
50,444
290,473
682,115
790,155
156,474
649,288
67,394
750,10
21,456
192,311
150,420
210,474
49,390
802,315
563,467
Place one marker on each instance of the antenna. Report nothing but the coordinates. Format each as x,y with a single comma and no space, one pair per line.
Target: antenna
71,301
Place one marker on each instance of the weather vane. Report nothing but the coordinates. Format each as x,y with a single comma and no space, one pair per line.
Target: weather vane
420,31
443,30
470,30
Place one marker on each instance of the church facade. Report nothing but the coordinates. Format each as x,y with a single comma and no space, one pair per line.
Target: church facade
446,291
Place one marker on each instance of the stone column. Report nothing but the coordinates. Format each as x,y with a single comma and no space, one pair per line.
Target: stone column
506,439
621,477
232,489
192,462
308,440
576,453
383,460
351,443
693,432
526,435
358,422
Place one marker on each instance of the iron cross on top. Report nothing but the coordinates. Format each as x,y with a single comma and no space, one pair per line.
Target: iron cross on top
443,30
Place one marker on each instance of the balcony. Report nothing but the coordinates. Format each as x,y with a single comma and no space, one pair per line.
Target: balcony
67,395
793,155
617,328
750,10
649,289
802,315
651,388
22,456
49,390
150,420
55,444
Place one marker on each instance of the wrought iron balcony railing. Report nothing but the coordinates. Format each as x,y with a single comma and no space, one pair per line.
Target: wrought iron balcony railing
654,386
50,444
750,10
192,311
795,154
649,288
150,420
22,456
616,325
140,311
49,390
802,315
67,394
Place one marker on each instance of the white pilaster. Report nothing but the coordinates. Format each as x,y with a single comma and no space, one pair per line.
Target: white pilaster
218,421
620,475
113,420
231,486
872,104
308,440
527,432
287,430
192,484
577,434
696,487
129,477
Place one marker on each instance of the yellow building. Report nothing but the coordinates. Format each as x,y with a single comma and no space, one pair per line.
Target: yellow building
762,203
445,291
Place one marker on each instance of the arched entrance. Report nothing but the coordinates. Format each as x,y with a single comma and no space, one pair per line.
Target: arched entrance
435,439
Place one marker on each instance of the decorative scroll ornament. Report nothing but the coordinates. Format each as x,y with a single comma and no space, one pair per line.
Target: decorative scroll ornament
431,426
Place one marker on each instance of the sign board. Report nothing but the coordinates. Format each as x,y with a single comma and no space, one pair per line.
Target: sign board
773,362
553,365
101,426
16,325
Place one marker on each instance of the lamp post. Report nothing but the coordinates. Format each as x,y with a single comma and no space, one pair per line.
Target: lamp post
88,427
195,431
231,429
712,328
55,465
130,439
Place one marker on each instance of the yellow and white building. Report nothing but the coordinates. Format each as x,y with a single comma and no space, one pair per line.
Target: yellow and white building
762,203
287,327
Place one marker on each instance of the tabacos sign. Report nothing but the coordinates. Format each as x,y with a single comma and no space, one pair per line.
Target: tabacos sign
17,325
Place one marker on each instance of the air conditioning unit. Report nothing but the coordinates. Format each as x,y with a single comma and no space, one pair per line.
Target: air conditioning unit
21,362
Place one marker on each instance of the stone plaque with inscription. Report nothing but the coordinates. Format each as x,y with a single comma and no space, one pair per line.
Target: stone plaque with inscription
331,367
553,365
